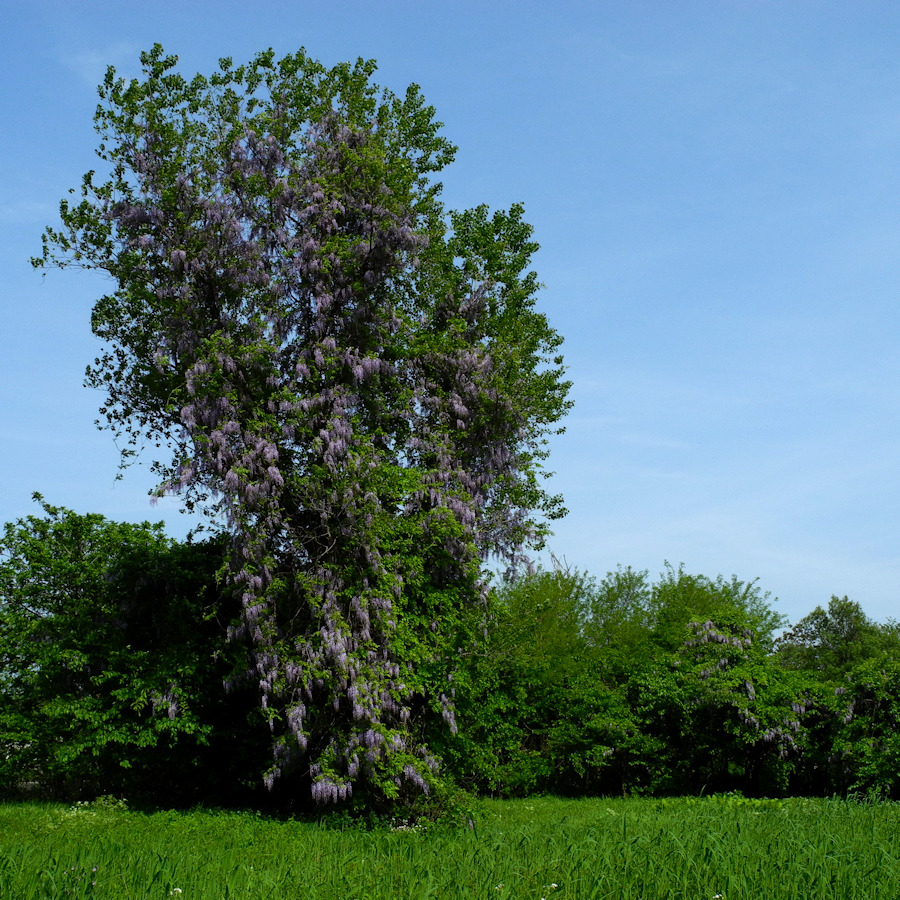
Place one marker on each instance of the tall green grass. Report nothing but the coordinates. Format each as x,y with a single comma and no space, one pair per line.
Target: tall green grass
697,849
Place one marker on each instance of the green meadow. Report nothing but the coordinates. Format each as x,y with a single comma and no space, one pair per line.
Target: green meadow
721,847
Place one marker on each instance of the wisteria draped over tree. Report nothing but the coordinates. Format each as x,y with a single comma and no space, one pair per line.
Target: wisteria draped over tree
355,381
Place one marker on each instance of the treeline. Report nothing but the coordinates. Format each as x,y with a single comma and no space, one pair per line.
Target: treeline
120,673
684,685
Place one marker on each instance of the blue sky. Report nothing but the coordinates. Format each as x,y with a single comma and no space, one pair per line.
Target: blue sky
716,190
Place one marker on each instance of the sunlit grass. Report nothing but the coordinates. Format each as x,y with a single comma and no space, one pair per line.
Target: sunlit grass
529,848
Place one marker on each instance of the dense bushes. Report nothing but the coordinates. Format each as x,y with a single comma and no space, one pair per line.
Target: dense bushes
676,687
114,654
112,660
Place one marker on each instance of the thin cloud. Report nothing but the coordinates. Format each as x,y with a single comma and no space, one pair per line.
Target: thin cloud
25,212
91,66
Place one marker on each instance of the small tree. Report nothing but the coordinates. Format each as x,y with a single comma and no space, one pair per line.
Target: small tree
711,711
829,643
851,665
355,381
867,743
112,655
517,682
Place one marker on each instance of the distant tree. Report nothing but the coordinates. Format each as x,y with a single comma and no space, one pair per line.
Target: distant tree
709,710
627,685
830,642
112,657
355,381
866,750
852,665
617,607
679,600
517,683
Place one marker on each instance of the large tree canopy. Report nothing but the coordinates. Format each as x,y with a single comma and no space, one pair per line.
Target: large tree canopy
355,381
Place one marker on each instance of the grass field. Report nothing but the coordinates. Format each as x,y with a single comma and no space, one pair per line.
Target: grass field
698,849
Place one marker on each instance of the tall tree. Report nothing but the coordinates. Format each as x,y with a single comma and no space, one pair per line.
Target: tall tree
354,380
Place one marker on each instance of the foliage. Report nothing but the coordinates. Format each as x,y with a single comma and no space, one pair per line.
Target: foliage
628,686
112,657
113,651
849,665
831,642
513,682
709,706
866,746
357,382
